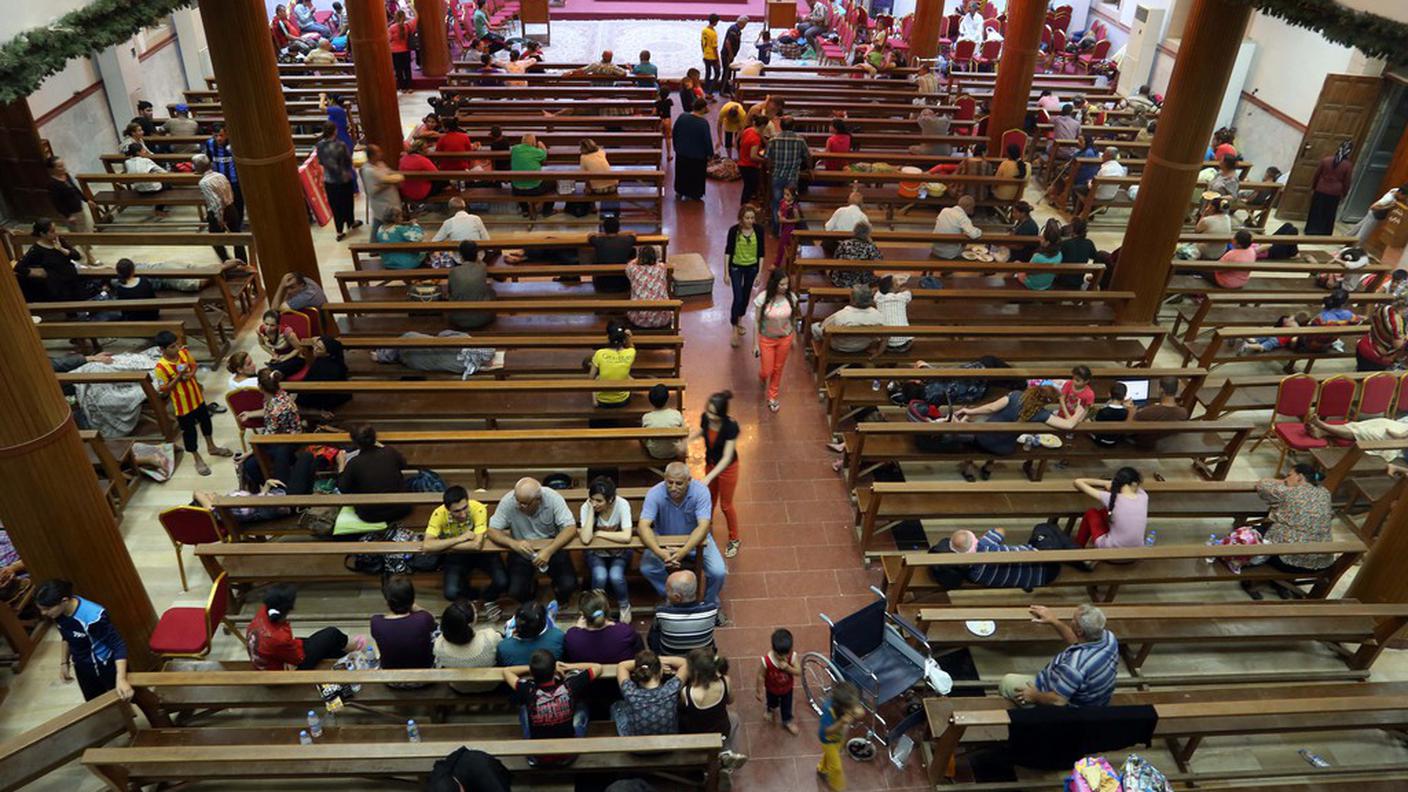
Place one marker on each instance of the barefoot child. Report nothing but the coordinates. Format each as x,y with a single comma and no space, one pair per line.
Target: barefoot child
176,379
840,712
777,675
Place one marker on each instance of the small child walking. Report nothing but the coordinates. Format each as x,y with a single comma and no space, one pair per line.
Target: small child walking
840,712
777,675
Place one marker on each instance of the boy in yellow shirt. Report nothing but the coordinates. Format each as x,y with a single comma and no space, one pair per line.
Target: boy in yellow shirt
709,42
461,524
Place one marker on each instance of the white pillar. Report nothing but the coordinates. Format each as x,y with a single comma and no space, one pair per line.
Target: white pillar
190,41
122,81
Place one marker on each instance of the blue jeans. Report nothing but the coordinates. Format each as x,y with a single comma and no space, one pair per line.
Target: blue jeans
714,570
580,720
606,568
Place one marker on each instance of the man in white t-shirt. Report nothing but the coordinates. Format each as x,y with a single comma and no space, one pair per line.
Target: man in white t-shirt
955,220
1110,167
461,226
849,216
861,312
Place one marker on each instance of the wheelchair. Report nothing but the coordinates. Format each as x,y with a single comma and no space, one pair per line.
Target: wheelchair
889,662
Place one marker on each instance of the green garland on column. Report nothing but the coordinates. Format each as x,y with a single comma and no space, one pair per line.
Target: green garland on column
1374,35
35,54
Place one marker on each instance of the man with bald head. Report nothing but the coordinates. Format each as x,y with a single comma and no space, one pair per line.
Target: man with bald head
532,512
684,622
680,506
605,67
1023,576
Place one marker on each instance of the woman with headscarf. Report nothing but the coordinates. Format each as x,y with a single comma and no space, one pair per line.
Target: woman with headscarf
1330,183
694,144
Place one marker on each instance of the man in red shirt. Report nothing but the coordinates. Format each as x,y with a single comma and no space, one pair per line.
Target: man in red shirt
749,143
418,190
452,139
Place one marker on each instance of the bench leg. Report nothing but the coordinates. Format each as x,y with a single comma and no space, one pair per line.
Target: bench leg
941,764
1186,754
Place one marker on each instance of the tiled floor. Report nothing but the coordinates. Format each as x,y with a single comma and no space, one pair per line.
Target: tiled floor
798,558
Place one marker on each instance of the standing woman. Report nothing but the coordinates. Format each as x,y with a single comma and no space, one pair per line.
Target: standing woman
607,516
694,143
775,329
1125,513
399,32
1330,183
720,433
743,254
339,179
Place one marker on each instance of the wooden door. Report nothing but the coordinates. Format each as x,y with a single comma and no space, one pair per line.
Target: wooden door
24,180
1345,109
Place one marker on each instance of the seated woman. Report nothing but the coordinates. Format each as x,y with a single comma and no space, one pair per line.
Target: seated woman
405,635
598,639
1048,253
280,343
459,645
1124,512
531,631
271,644
280,413
650,280
243,371
649,699
397,225
1300,512
1033,404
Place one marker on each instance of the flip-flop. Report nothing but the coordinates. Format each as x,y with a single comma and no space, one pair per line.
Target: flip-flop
202,468
222,452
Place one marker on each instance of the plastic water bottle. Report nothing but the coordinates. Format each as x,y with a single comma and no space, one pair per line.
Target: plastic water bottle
923,193
315,724
304,738
1212,541
1150,537
412,731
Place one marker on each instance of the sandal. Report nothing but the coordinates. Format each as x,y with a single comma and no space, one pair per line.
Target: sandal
202,468
774,405
221,451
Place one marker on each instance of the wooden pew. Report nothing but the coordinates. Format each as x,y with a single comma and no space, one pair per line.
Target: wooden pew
1141,628
1078,343
908,239
112,461
455,79
154,404
484,451
1234,307
831,189
626,91
1183,277
1187,717
1121,198
105,204
489,401
882,504
479,122
1211,445
213,333
1216,351
534,280
91,334
1311,240
382,318
850,391
559,353
1160,564
363,253
810,272
35,753
570,155
642,189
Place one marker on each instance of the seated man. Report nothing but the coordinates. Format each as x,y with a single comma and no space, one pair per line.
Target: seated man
1081,675
533,631
461,523
1166,409
1022,576
530,512
680,506
861,312
297,292
682,623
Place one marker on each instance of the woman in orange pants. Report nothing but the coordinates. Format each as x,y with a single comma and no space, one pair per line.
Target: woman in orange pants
775,330
720,434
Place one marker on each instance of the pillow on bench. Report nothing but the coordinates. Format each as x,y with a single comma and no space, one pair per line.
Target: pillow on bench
348,523
692,275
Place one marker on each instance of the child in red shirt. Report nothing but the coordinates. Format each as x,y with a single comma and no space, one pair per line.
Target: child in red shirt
1076,393
272,646
777,675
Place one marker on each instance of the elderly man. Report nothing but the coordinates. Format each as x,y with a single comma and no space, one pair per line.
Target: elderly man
860,312
1110,167
957,219
684,622
605,67
461,226
297,292
1065,126
733,44
680,506
849,216
181,124
531,512
1081,675
1022,575
221,213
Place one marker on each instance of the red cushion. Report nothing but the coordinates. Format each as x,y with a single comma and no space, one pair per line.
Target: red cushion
180,631
1294,434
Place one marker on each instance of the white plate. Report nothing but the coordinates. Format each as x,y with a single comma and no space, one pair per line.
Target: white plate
982,629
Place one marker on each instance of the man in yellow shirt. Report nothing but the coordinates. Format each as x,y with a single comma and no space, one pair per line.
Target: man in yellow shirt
460,525
613,363
709,42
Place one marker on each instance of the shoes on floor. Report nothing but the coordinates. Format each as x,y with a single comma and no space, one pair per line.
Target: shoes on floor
731,549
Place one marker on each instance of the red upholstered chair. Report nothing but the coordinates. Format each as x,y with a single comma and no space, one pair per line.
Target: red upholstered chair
1336,403
241,400
1295,398
1376,395
298,322
963,54
967,107
1056,56
189,525
1012,137
947,32
989,25
1400,399
1063,19
1100,52
189,632
1046,35
990,53
988,11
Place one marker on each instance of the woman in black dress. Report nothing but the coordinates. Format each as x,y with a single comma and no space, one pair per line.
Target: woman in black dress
694,144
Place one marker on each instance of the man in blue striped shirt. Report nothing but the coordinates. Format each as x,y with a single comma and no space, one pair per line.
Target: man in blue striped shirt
682,623
1081,675
1018,575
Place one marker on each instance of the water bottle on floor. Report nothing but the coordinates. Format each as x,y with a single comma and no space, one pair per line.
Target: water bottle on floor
1212,542
304,738
412,731
315,724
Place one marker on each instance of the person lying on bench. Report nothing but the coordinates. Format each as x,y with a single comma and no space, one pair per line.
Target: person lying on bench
1081,675
1031,405
551,697
93,649
272,646
1022,576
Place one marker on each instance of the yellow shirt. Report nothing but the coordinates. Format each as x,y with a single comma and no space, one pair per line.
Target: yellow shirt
443,526
732,123
613,364
709,42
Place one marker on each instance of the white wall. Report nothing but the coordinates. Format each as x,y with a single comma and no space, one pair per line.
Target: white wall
1290,65
22,15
